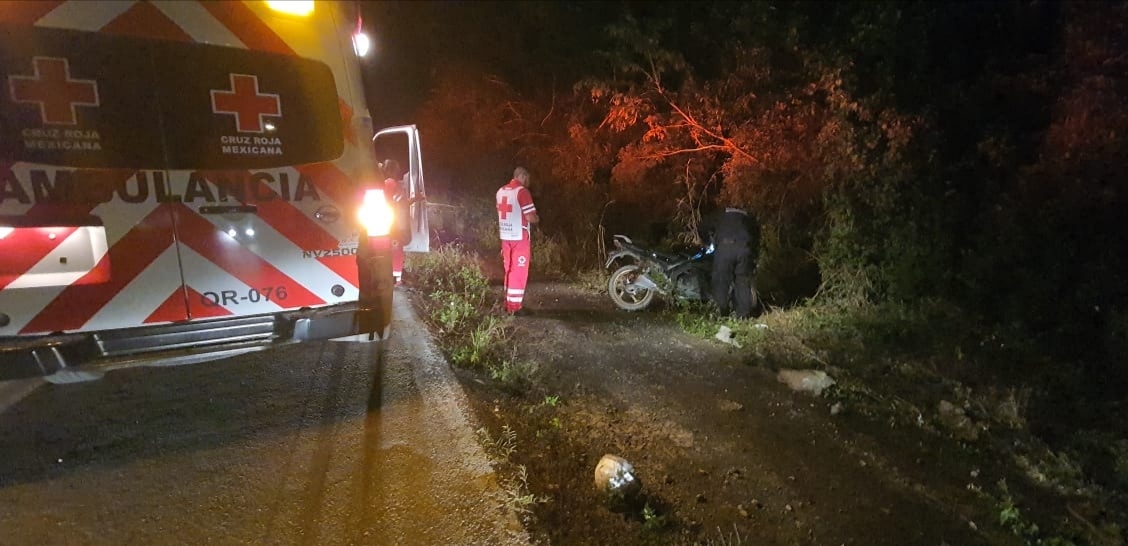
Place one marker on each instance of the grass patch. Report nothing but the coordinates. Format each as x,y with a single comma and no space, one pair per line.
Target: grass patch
514,373
459,307
485,344
450,269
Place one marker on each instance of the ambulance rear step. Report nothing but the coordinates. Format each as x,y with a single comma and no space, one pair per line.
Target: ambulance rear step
169,344
179,336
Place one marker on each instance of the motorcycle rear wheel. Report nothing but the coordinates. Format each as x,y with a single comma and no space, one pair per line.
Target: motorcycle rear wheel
626,296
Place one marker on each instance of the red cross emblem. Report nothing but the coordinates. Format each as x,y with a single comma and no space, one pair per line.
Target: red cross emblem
53,89
504,207
246,103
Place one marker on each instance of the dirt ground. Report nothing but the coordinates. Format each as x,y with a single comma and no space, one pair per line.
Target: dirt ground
725,452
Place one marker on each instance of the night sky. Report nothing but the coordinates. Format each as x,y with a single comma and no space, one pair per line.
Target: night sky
516,40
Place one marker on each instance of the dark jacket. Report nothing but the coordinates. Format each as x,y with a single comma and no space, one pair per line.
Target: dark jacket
732,227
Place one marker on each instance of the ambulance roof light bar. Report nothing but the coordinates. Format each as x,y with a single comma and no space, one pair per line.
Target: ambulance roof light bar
291,7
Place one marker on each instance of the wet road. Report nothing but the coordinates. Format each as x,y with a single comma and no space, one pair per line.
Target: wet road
321,443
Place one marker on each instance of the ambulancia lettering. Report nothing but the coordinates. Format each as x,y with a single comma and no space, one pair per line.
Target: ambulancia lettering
71,186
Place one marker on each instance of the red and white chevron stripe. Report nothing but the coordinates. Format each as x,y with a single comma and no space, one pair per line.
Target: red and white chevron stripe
163,260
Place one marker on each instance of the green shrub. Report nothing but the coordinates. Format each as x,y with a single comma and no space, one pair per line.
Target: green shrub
513,372
484,346
450,269
450,311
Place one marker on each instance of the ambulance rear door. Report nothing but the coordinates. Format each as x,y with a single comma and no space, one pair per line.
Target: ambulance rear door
404,141
86,239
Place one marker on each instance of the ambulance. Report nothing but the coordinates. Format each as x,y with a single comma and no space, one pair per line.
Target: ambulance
184,180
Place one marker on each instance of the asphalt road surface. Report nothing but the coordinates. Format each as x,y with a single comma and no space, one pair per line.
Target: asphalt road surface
336,442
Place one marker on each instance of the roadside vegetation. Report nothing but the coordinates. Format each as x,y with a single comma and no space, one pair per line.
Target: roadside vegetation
472,329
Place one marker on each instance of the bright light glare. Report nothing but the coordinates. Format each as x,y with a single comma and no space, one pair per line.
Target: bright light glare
292,7
6,231
231,233
375,214
361,44
250,232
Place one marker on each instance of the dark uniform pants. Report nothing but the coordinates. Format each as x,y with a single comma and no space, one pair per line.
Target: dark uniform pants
732,269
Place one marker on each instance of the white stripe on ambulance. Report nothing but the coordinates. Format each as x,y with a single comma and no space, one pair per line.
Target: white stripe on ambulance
146,292
88,16
29,302
199,24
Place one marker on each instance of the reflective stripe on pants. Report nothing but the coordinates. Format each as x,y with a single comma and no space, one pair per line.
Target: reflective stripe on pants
515,259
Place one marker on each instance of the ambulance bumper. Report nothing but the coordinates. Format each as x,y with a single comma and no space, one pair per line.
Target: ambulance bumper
179,343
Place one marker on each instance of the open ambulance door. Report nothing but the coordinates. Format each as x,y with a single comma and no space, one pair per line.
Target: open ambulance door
400,141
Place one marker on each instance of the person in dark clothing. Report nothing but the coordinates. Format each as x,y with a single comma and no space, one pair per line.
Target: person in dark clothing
736,236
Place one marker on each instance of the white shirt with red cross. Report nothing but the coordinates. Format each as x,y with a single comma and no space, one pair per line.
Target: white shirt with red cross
514,202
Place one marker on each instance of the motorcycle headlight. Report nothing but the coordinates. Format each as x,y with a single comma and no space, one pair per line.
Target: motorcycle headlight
375,214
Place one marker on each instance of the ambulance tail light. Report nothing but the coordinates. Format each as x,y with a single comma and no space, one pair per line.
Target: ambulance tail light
375,214
361,44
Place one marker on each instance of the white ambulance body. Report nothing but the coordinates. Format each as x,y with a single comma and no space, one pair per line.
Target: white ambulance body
184,176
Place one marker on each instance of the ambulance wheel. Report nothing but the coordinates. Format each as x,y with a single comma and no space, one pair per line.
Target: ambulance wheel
627,295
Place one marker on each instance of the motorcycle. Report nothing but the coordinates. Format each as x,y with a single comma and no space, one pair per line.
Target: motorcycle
644,273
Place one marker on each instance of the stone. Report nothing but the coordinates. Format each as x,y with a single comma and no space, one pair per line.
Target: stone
812,381
956,421
615,476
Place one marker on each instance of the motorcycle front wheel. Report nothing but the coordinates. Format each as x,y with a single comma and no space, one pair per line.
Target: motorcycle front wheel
625,293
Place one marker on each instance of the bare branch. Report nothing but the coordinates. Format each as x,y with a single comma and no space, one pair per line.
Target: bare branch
670,153
553,106
728,143
509,105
